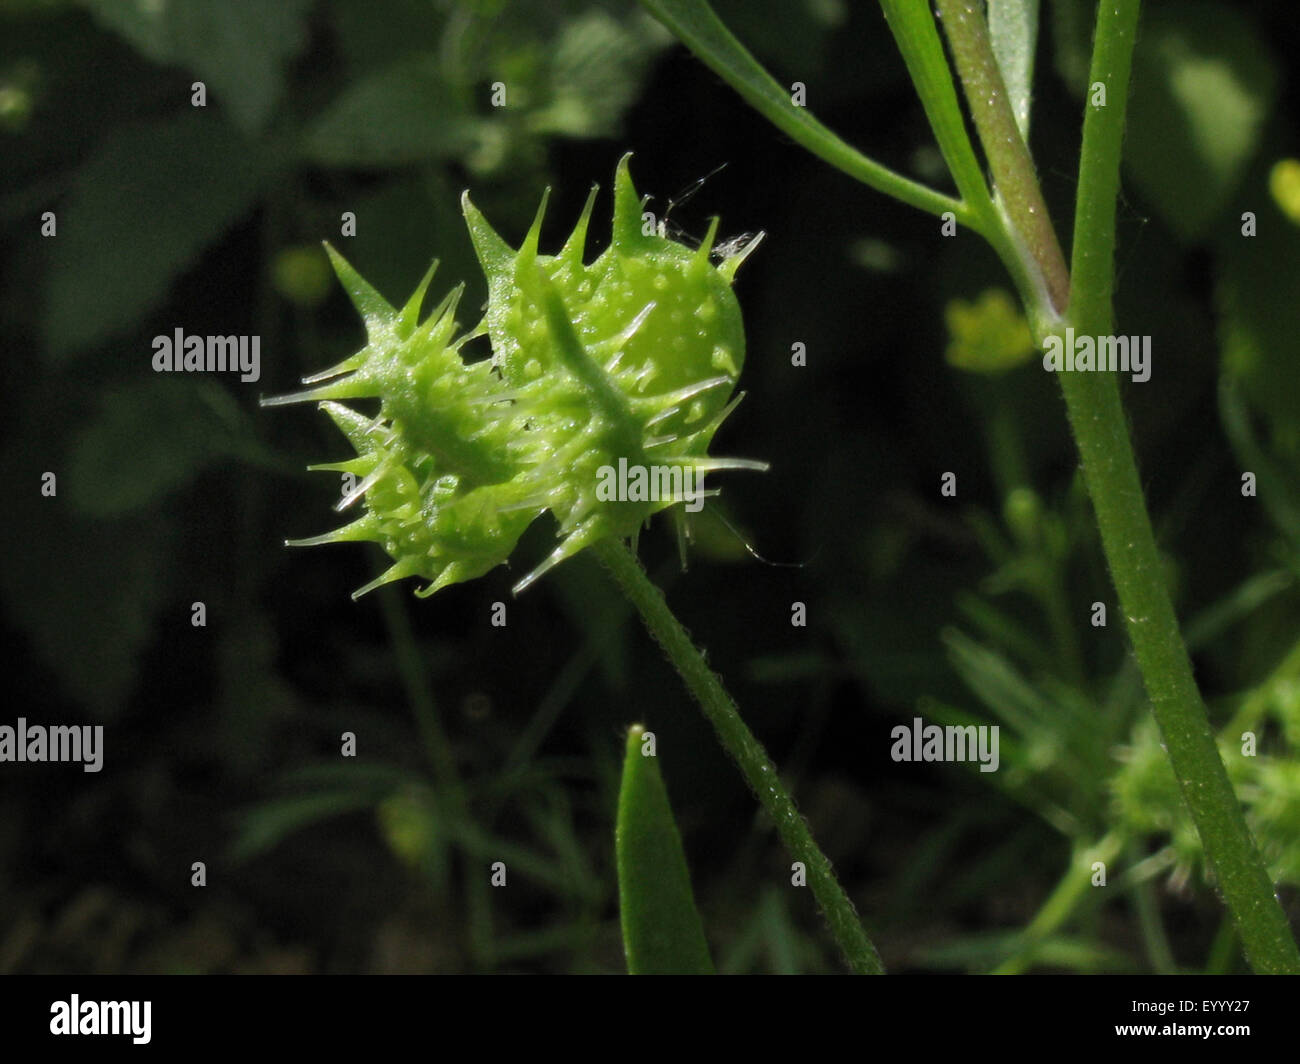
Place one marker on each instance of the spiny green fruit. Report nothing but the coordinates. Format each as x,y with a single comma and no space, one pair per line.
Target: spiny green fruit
633,358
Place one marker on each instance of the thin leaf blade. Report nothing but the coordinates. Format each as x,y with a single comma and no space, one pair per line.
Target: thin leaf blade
1013,29
696,25
662,931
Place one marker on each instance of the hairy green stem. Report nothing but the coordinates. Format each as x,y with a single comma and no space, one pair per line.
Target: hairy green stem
1097,417
1054,297
747,751
1018,191
1092,261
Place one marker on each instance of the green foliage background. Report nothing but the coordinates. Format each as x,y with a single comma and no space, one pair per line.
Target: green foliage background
480,744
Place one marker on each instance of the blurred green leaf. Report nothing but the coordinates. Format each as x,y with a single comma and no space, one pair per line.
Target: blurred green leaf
374,33
1072,24
978,952
150,438
360,776
1011,698
238,48
553,821
595,73
574,77
138,214
269,824
405,113
1275,478
662,932
771,941
1259,320
1203,86
25,7
1237,605
541,868
85,593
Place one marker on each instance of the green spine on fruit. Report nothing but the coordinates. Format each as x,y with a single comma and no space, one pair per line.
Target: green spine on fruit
634,356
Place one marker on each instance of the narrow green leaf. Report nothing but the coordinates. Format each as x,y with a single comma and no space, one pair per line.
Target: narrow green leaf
267,825
662,932
407,112
190,176
150,437
912,24
696,25
1013,29
1258,321
240,48
54,564
595,72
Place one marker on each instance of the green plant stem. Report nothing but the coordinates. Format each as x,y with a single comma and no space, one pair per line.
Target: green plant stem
1097,418
694,23
1018,191
918,41
1092,261
747,751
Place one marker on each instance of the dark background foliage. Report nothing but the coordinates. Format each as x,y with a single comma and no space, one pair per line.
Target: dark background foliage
478,743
